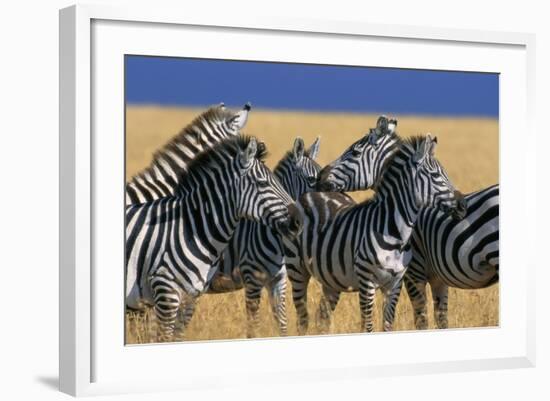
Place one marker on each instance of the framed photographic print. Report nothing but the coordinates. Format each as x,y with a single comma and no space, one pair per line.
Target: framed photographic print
331,191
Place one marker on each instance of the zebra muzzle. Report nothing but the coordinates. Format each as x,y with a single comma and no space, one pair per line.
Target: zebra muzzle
459,211
292,226
455,207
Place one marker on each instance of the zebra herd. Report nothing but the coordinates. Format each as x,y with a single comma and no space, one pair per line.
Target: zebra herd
207,216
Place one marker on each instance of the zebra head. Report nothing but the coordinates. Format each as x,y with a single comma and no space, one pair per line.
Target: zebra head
262,197
232,122
298,171
432,186
361,165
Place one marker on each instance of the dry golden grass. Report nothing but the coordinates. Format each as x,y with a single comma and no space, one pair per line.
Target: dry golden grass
468,148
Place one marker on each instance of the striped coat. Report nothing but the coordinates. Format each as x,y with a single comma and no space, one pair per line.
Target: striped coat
173,242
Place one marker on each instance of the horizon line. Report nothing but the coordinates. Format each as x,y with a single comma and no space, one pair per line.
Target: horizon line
314,110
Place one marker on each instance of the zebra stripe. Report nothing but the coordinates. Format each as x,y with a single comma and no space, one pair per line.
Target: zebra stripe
172,242
254,258
161,177
450,253
360,166
363,247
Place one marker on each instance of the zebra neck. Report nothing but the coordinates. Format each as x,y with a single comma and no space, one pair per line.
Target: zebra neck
287,179
215,210
395,210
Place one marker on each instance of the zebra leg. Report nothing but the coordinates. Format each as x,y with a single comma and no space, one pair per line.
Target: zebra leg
417,295
440,296
277,298
367,291
299,278
185,314
327,305
167,300
299,297
390,305
253,293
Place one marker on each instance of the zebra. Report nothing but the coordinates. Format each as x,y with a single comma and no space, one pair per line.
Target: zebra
359,165
363,247
160,178
450,253
173,242
254,258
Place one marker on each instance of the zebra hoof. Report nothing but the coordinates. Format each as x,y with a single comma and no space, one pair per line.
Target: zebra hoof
421,322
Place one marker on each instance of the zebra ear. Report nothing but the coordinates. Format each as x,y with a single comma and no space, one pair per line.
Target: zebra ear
431,144
313,150
238,121
426,148
392,125
247,156
371,136
298,150
382,125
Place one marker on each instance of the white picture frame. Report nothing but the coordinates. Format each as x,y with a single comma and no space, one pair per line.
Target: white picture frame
93,358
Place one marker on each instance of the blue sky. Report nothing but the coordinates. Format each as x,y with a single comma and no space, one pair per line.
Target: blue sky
201,82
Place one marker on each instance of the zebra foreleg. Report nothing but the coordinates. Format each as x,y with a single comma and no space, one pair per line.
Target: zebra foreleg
277,298
390,305
440,296
299,298
327,305
167,300
417,295
185,314
367,291
253,293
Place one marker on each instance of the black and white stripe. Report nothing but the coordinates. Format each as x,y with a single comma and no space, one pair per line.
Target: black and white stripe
173,242
254,258
453,253
360,165
161,177
363,247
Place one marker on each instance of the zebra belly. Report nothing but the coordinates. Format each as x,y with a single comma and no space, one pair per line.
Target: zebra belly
337,278
255,253
478,276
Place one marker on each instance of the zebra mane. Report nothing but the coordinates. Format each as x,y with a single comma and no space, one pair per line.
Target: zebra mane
289,155
209,156
187,134
414,141
406,147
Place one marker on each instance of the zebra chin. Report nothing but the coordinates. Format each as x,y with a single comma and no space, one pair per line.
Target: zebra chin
292,225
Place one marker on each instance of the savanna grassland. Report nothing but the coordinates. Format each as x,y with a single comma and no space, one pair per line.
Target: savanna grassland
467,147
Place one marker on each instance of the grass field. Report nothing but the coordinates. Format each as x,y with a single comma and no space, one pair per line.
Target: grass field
467,147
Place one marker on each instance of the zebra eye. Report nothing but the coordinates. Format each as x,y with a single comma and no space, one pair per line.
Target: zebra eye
311,180
263,183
